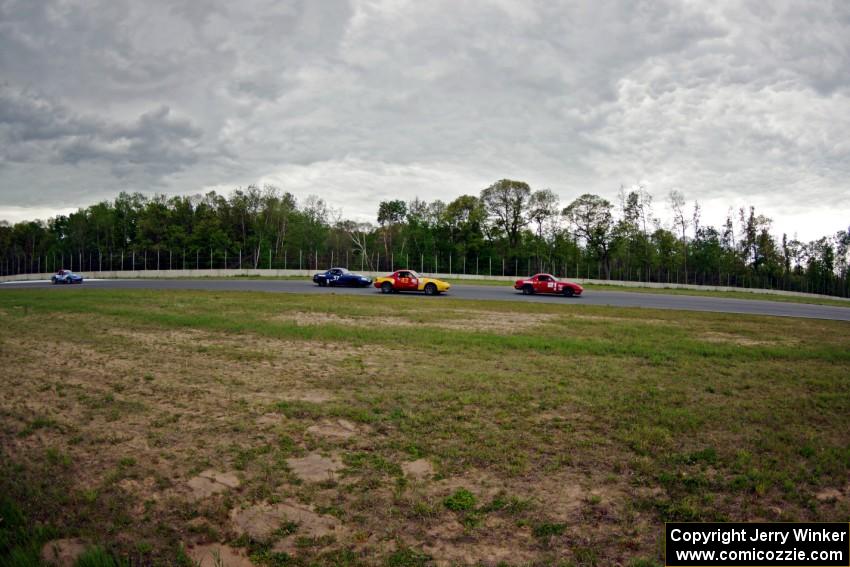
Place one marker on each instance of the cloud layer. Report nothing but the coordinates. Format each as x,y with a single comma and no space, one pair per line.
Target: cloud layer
733,103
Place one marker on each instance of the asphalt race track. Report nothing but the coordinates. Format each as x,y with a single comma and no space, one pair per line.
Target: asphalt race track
472,291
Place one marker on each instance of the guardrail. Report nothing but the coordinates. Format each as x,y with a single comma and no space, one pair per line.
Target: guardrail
229,273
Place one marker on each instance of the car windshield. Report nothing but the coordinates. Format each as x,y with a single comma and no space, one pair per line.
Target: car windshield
413,274
338,270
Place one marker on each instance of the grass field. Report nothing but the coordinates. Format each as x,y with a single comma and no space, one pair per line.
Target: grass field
344,430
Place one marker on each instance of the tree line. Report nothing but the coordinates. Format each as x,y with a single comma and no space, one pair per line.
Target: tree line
507,229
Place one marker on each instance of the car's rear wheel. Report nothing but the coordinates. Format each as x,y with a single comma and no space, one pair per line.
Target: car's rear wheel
430,289
568,292
527,289
386,287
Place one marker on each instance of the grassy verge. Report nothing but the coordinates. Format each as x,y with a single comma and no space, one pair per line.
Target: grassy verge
457,431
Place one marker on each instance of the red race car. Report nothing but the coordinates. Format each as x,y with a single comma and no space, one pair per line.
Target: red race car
547,283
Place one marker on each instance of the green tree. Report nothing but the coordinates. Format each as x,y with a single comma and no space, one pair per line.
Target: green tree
592,221
506,202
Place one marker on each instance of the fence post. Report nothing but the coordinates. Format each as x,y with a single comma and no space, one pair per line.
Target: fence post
299,259
270,258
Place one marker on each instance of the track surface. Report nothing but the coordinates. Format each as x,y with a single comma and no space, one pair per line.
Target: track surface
487,292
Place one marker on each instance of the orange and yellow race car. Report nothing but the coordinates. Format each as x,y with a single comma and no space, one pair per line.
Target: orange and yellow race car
408,280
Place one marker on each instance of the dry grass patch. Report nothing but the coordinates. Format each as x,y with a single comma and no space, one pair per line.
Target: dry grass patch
453,319
731,338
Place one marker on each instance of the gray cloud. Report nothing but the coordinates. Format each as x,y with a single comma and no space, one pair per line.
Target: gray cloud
36,129
733,103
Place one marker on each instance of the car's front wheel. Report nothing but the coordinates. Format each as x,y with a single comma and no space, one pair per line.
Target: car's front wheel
527,289
386,287
568,292
430,289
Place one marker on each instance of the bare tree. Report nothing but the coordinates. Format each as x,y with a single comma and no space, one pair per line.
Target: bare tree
697,217
680,222
359,232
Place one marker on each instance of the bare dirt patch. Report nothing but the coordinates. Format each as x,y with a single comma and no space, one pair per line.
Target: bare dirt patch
219,555
498,322
263,521
211,482
336,429
269,419
63,552
829,495
312,396
730,338
310,318
459,319
420,469
449,544
315,467
604,319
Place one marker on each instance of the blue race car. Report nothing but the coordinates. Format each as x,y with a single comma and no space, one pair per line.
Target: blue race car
342,278
66,277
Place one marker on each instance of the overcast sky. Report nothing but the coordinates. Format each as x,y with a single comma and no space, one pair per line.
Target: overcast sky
732,103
